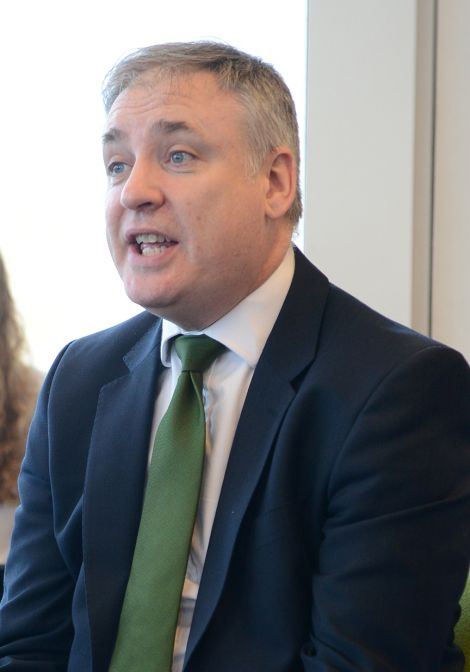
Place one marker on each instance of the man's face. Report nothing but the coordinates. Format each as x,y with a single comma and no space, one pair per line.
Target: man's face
187,225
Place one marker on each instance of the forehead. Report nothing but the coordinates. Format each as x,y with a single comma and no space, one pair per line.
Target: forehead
192,100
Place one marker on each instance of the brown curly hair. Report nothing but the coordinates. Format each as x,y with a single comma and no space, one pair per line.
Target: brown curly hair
18,390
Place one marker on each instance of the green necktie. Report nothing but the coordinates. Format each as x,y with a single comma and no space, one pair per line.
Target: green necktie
150,610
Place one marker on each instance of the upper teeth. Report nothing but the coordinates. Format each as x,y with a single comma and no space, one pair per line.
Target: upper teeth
151,238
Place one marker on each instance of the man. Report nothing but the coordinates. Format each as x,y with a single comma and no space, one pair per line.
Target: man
332,526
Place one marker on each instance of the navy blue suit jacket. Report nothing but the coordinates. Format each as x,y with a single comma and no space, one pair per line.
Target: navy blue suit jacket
341,539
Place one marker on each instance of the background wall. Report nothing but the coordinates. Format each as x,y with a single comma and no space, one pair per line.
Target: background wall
360,147
451,262
388,157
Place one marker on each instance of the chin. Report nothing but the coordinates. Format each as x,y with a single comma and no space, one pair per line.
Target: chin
166,309
142,294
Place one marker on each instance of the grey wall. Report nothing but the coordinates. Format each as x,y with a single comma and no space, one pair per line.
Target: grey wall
388,154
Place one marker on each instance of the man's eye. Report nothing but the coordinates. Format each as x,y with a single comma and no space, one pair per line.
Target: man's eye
116,168
179,156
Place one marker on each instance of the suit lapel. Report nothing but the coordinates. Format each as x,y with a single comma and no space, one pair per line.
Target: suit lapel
114,488
290,348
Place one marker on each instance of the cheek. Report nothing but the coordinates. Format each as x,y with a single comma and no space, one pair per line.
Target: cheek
109,208
112,211
112,233
109,240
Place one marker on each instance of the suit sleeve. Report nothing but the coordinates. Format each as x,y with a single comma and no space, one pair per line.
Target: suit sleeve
396,547
35,613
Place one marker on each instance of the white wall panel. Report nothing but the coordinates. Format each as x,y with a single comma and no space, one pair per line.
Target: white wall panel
360,121
451,277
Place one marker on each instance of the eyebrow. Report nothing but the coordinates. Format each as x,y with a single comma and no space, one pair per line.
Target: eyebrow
163,126
112,135
168,127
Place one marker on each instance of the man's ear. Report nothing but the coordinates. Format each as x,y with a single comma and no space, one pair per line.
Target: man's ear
281,173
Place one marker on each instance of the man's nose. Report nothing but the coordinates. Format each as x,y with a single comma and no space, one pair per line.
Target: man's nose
142,189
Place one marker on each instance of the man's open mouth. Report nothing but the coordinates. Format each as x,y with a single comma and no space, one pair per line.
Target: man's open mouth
153,243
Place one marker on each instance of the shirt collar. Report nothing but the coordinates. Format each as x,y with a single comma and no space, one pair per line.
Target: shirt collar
245,329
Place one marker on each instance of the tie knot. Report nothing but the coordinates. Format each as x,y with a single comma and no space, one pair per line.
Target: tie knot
197,352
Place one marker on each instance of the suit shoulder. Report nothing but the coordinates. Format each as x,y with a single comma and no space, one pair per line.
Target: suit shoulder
336,333
369,346
120,337
363,325
103,353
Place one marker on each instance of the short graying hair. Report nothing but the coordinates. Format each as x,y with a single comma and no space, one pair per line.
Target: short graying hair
262,92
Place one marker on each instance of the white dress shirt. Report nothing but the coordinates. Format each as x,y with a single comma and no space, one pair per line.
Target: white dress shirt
7,512
244,331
